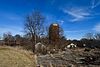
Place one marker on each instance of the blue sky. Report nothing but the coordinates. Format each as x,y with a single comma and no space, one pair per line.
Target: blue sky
76,17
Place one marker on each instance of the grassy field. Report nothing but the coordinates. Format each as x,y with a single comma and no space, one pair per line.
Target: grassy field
16,57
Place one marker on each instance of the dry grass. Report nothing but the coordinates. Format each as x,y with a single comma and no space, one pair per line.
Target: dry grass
16,57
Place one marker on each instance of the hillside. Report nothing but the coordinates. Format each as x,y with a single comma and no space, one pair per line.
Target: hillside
16,57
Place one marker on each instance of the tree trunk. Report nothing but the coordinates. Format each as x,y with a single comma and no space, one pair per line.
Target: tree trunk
34,42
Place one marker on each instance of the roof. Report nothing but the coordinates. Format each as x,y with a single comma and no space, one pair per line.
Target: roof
71,44
55,24
39,43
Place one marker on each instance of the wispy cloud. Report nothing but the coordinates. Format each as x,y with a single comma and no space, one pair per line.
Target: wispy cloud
61,22
11,23
77,14
50,19
95,3
75,31
52,2
75,34
13,29
10,16
97,27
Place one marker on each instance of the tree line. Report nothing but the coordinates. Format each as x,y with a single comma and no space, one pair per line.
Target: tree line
36,31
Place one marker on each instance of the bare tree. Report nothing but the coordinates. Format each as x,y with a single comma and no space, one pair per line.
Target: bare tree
34,26
18,39
61,32
0,37
89,36
97,36
8,39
